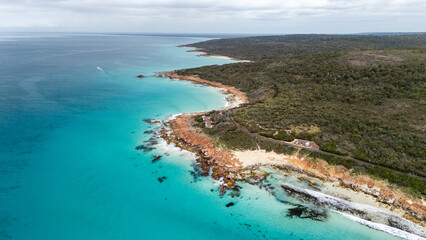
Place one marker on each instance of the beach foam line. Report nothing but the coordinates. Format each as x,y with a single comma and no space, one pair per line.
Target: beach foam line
173,117
384,228
342,205
172,148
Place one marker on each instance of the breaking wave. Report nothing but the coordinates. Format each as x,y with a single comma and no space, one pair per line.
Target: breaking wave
384,228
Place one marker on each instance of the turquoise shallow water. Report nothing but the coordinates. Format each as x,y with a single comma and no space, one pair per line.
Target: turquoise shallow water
71,115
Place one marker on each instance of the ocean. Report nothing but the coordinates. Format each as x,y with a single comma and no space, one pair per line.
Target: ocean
72,113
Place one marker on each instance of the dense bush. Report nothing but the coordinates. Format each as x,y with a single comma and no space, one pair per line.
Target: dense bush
373,113
360,96
278,47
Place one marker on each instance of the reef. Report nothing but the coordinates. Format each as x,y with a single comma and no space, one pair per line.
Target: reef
144,148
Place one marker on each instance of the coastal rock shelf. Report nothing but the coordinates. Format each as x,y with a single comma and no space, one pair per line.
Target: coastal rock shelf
360,210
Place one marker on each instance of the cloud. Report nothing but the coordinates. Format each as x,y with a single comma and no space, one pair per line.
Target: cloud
167,15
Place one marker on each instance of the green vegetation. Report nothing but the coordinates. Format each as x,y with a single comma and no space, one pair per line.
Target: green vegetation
413,186
279,47
358,96
228,134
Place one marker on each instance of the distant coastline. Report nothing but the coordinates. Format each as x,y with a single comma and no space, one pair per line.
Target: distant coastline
205,54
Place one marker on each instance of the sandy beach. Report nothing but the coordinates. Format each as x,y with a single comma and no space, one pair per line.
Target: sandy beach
201,53
238,96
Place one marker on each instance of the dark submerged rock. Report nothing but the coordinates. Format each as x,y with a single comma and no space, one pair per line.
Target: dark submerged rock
149,132
230,204
144,148
235,192
195,176
152,141
148,120
161,179
305,212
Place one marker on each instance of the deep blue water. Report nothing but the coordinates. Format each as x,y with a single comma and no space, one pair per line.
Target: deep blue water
71,112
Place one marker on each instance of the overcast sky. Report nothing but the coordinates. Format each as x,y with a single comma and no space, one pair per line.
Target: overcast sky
214,16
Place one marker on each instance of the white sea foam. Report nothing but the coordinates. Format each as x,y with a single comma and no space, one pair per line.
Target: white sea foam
173,117
324,198
100,69
173,149
226,104
384,228
346,205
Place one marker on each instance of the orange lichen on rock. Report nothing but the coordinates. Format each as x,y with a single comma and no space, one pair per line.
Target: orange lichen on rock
222,161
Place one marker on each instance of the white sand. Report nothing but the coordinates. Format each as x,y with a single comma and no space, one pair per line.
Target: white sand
334,190
256,157
232,101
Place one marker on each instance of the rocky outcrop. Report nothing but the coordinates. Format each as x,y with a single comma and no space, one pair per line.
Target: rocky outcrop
219,163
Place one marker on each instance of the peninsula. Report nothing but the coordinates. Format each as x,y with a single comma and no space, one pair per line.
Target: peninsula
345,114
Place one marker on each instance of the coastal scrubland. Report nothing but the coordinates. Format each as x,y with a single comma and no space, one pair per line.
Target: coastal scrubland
361,97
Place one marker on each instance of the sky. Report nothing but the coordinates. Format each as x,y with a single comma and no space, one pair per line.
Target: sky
213,16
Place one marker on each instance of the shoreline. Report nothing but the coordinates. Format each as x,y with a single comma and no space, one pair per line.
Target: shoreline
231,167
236,97
205,54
